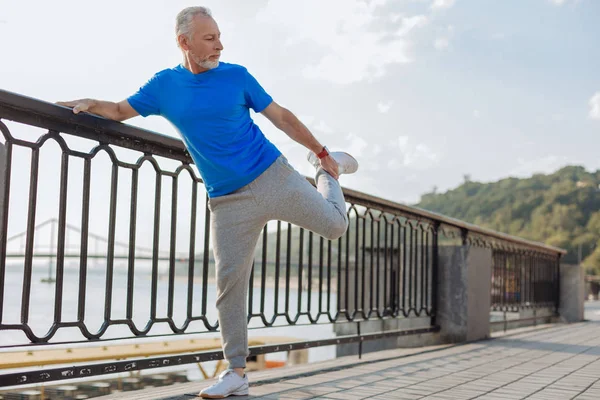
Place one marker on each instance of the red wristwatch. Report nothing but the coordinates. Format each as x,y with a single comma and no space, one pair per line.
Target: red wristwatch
324,153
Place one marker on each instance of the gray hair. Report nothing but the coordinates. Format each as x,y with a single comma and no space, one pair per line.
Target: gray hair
186,16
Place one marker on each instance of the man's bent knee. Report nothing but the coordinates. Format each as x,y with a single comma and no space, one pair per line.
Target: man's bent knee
337,229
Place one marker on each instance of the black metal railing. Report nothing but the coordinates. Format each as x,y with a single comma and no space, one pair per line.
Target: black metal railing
524,279
130,253
525,287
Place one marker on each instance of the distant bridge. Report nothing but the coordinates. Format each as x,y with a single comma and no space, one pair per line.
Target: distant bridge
16,245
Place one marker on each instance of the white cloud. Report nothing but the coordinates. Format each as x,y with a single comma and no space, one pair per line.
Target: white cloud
395,17
441,43
421,156
357,145
414,156
402,142
384,107
373,166
563,2
543,165
410,23
323,127
312,123
394,163
441,4
476,114
595,106
306,119
355,46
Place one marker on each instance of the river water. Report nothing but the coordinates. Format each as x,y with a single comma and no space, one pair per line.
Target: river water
42,308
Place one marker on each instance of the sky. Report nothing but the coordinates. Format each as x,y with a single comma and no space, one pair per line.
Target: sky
421,92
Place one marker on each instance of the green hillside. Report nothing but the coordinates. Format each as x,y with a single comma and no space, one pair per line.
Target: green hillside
561,209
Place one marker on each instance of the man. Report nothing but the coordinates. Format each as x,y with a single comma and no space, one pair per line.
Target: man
247,179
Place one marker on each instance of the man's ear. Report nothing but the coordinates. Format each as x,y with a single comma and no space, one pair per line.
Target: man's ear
183,42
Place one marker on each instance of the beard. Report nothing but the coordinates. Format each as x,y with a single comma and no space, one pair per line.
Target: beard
205,63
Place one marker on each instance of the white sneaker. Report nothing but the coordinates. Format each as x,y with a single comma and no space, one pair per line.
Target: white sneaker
229,384
346,163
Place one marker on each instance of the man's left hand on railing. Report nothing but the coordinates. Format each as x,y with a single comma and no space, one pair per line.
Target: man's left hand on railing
107,109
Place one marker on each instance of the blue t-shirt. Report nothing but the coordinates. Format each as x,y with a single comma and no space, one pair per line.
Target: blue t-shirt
211,111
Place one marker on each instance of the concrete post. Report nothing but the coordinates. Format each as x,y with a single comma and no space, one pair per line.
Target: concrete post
572,293
464,286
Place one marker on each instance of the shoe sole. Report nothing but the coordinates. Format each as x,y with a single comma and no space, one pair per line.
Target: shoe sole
352,157
238,393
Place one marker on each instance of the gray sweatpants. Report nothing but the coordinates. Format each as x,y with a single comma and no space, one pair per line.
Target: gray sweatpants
237,219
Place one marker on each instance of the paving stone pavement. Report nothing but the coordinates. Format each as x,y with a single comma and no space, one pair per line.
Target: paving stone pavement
557,362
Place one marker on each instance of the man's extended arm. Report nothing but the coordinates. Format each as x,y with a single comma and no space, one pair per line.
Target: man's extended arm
285,120
107,109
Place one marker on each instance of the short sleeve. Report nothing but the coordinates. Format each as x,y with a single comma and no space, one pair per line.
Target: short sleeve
146,100
256,97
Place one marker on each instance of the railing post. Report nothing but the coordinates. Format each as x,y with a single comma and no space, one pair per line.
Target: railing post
557,289
3,168
434,272
464,234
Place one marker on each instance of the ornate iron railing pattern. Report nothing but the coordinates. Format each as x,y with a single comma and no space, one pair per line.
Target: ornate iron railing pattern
385,266
382,267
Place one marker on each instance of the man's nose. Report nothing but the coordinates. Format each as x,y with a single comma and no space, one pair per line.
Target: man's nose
219,45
